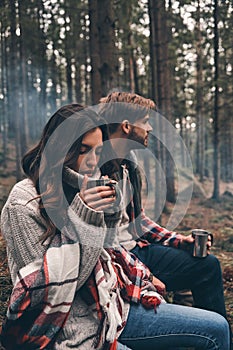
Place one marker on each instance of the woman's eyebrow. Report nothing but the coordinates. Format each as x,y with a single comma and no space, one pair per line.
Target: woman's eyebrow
85,145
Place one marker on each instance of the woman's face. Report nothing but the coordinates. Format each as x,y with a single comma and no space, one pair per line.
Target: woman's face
91,147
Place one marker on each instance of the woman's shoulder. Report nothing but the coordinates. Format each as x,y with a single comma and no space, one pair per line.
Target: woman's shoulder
22,192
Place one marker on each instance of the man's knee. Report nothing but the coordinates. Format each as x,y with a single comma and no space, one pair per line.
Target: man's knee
211,265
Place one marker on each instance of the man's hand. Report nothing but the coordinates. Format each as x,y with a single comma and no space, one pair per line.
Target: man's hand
186,242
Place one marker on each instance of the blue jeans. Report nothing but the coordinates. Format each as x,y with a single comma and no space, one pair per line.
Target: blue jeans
174,326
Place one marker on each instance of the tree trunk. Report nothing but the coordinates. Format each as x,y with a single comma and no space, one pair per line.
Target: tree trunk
3,97
94,52
109,65
68,55
24,131
155,144
131,64
43,66
216,160
164,88
14,96
199,105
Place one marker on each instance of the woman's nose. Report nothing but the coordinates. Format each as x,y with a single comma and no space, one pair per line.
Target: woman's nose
92,159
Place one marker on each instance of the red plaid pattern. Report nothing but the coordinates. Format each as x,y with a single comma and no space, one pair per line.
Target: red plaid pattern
41,301
154,233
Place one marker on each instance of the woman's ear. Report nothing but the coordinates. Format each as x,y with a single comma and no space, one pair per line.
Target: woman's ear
126,126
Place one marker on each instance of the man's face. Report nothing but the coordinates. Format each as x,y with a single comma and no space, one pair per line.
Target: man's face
140,131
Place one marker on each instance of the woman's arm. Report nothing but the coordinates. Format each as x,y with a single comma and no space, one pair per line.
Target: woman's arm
47,276
23,227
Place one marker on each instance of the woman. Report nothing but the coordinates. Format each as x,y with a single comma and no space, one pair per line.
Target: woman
74,286
68,290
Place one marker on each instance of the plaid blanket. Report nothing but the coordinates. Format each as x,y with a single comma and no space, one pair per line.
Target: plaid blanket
43,294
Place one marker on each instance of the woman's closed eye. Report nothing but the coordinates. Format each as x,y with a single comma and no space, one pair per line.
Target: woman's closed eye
84,150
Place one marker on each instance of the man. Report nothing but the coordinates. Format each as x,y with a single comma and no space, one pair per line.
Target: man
165,253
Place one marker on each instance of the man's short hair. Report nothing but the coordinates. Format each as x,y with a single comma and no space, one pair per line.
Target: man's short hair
118,106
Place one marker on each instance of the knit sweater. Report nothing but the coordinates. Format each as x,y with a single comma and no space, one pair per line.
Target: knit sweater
22,227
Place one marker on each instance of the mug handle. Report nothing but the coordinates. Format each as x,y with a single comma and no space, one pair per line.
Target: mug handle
211,237
209,234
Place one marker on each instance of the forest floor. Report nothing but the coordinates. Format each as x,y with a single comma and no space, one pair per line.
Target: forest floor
203,212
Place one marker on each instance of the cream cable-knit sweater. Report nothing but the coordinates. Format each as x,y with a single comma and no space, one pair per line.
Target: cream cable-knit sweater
22,227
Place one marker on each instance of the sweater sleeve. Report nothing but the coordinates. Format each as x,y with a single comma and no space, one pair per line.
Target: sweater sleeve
46,277
22,227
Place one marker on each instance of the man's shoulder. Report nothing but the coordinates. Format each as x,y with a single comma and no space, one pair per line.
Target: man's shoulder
132,159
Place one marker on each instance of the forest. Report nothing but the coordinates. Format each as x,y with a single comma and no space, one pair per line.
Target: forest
179,53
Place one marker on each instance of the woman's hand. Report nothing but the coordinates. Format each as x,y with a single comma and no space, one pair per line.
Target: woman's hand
159,285
98,198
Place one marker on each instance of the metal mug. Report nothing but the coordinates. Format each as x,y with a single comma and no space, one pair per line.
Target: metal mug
107,182
200,240
99,182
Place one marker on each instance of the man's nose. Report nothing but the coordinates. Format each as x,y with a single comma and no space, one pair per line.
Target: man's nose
149,127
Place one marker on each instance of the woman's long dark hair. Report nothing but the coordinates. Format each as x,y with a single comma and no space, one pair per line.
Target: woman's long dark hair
42,163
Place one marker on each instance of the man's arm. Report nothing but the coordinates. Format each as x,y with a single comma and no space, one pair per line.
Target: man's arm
154,233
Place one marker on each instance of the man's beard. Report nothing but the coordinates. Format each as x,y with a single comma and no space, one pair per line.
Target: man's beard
139,140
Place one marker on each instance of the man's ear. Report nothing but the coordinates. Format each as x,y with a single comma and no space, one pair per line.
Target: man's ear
126,126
